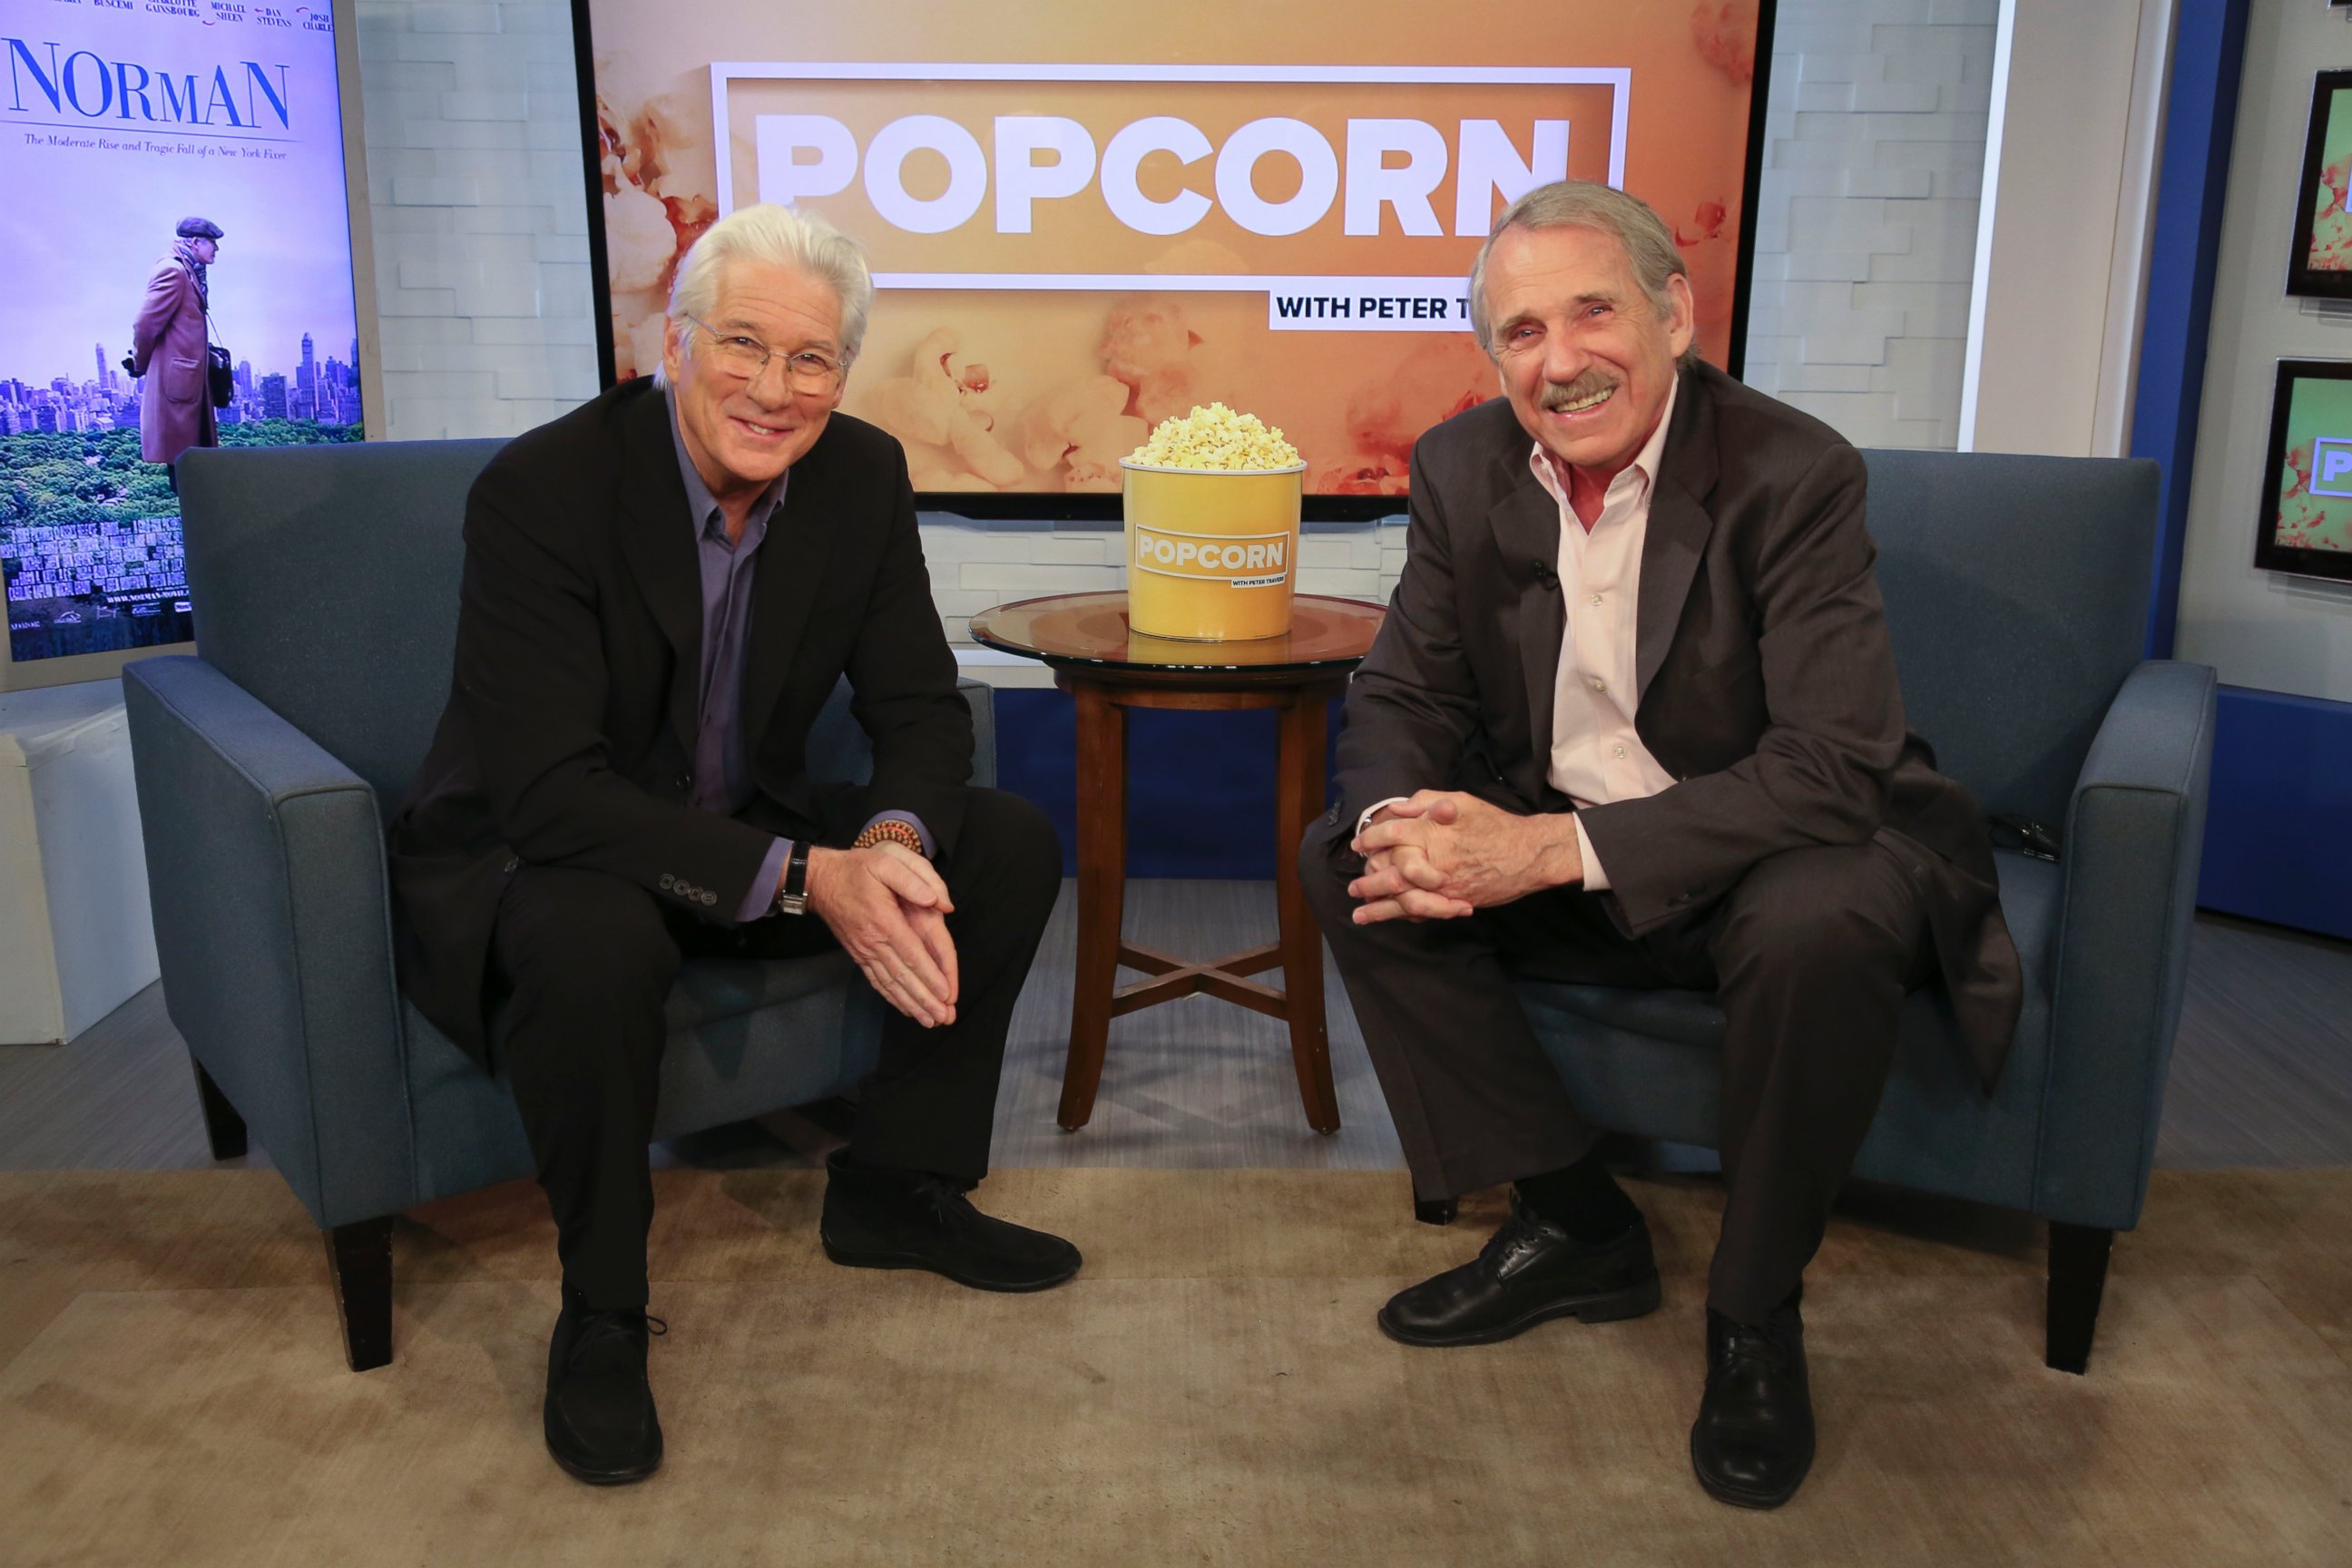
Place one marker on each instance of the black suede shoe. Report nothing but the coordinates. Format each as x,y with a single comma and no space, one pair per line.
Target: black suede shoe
1531,1271
1753,1441
878,1216
601,1425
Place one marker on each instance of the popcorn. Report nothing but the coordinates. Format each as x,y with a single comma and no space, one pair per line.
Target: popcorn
1215,438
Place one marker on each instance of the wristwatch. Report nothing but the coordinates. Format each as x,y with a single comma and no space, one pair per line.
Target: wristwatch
792,899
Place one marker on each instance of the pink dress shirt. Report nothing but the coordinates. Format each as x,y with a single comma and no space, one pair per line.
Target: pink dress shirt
1596,756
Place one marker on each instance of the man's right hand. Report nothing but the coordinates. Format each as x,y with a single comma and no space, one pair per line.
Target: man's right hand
887,908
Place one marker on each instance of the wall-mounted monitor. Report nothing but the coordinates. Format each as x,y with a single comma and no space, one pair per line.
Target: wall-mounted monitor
2305,523
1082,221
180,275
2321,262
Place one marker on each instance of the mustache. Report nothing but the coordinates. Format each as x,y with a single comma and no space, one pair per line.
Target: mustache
1560,394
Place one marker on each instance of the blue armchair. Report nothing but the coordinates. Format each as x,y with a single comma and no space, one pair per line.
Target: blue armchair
2017,591
326,584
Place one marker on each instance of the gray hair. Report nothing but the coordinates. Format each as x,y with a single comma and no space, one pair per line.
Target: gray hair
780,237
1586,203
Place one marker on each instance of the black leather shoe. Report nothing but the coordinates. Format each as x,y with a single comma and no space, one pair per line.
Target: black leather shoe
601,1425
1753,1441
878,1216
1531,1271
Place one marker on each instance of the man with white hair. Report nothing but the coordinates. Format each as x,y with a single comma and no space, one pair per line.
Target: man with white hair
661,590
1633,720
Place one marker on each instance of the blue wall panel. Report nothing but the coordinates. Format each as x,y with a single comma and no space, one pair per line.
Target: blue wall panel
2278,838
1200,786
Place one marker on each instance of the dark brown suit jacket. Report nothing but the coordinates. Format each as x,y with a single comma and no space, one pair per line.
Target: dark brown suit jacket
1767,681
570,722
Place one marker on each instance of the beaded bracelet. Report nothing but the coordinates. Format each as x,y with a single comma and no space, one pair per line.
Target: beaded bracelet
891,830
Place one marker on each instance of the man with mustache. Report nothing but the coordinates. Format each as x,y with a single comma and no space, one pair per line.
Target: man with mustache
1633,720
662,589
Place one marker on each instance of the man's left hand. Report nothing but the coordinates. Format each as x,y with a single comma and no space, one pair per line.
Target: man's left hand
1443,854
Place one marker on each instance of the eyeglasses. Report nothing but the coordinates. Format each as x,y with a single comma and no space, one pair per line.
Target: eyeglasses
806,369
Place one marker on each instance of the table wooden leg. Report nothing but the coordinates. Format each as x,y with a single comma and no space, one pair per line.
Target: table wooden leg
1102,889
1298,800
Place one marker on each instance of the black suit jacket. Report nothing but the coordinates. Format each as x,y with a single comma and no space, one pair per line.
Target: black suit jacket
1767,684
572,706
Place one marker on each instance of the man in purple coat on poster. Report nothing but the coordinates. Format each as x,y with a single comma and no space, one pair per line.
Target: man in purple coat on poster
168,347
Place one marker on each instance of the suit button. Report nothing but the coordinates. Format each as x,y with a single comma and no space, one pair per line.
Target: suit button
686,781
667,881
513,862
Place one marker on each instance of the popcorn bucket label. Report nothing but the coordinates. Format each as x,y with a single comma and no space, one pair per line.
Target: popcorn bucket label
1238,560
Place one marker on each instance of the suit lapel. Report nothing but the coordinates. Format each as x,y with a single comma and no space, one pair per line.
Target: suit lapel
792,567
658,539
1678,528
1527,531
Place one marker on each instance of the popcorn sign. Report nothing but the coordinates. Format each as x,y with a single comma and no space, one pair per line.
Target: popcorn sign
1252,561
1306,184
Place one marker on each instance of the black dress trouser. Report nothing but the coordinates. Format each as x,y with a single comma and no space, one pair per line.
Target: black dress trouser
586,961
1808,957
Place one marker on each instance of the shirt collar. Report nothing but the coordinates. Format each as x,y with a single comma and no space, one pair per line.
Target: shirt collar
707,516
1643,470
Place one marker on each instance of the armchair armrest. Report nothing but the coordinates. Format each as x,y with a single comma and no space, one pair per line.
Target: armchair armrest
2135,831
266,870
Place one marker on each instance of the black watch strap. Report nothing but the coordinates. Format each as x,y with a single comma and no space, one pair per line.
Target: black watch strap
792,899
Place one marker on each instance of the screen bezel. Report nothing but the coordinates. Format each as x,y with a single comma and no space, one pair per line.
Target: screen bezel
1063,506
72,669
2269,555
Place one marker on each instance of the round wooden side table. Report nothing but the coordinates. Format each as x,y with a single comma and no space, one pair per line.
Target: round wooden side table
1109,669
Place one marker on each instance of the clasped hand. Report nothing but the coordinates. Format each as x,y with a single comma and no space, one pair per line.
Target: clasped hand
1443,854
887,908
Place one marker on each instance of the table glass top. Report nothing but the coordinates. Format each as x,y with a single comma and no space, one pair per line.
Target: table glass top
1091,629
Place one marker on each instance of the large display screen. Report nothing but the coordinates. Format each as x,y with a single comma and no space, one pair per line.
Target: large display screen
120,127
1084,220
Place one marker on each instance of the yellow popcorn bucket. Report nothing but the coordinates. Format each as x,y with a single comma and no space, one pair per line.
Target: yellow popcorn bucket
1211,554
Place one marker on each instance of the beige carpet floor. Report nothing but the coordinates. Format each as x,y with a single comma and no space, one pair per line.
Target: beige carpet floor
1210,1391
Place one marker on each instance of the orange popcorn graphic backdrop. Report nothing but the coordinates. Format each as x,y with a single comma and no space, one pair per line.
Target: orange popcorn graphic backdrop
1081,223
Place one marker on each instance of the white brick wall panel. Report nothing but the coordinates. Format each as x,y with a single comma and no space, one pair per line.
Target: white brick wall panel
539,330
381,78
481,105
1346,584
454,18
535,383
1844,348
550,21
1825,378
1066,550
504,135
510,220
392,301
433,191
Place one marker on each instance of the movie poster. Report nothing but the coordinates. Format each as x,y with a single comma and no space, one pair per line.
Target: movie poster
175,180
1082,221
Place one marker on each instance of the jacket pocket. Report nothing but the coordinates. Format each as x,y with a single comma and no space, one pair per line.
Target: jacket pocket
184,380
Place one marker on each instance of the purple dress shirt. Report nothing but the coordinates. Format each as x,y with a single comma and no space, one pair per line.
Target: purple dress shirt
722,761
